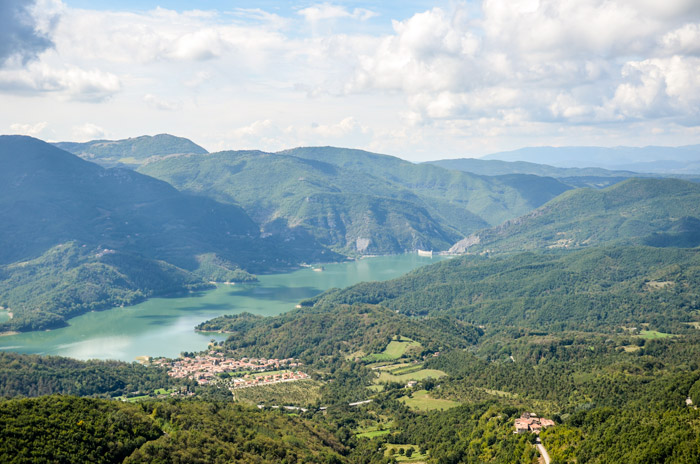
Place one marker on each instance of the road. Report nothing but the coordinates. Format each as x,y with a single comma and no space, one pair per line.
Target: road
542,450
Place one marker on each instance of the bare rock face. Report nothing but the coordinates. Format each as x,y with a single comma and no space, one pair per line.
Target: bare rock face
465,243
361,244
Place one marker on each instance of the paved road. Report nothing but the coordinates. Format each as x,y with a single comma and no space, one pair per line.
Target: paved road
543,451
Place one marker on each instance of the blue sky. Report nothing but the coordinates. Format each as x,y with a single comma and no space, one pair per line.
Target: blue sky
420,80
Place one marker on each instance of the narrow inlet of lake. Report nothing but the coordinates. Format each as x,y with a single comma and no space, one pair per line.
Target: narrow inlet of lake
165,326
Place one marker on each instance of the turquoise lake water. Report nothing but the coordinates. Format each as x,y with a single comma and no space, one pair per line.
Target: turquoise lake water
165,326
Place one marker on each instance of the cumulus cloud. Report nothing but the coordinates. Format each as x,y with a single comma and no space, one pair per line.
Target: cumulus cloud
549,61
21,37
76,83
326,11
32,129
88,131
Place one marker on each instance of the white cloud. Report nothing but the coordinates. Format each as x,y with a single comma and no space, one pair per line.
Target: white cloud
88,131
28,129
161,104
326,11
75,83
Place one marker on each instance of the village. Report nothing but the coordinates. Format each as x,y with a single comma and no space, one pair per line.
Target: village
208,368
530,422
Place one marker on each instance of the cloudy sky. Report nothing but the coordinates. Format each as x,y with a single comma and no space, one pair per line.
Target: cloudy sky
420,80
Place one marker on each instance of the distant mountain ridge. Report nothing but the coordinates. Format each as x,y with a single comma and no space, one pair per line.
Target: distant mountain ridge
670,160
131,152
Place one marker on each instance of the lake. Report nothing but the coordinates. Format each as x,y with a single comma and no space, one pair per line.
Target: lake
165,326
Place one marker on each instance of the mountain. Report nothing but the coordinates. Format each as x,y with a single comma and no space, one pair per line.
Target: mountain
657,212
307,200
131,152
494,200
669,160
575,177
94,237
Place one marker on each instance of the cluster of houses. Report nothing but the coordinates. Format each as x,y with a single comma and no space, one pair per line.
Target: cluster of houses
255,380
530,423
204,368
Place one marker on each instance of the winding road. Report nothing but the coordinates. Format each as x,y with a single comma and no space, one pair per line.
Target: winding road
543,451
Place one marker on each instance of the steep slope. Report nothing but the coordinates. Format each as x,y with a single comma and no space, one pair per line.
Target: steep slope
307,200
657,212
131,152
494,200
102,229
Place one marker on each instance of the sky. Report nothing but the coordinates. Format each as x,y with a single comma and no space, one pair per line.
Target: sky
415,79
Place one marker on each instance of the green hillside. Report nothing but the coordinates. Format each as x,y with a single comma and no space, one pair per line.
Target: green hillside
302,200
494,200
354,201
315,333
582,290
656,212
77,236
69,429
131,152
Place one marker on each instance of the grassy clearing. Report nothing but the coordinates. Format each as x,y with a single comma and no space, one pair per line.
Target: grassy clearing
422,401
394,450
394,350
653,334
373,433
163,391
418,375
303,393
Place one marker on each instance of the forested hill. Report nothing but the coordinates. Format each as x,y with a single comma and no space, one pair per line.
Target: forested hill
493,199
654,212
313,334
583,290
131,152
90,232
316,202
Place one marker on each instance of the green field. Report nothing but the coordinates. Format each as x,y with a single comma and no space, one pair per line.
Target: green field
652,334
418,375
415,457
394,350
373,433
422,401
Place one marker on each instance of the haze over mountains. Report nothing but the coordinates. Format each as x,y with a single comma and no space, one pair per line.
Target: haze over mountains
666,160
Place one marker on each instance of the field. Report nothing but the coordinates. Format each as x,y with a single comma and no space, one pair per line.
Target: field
301,393
652,334
422,401
418,375
394,450
373,433
394,350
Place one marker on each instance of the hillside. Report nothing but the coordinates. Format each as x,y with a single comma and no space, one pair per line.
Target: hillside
656,212
581,290
92,233
576,177
313,334
494,200
307,200
131,152
69,429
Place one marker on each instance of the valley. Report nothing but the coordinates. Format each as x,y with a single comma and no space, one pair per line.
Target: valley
261,307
